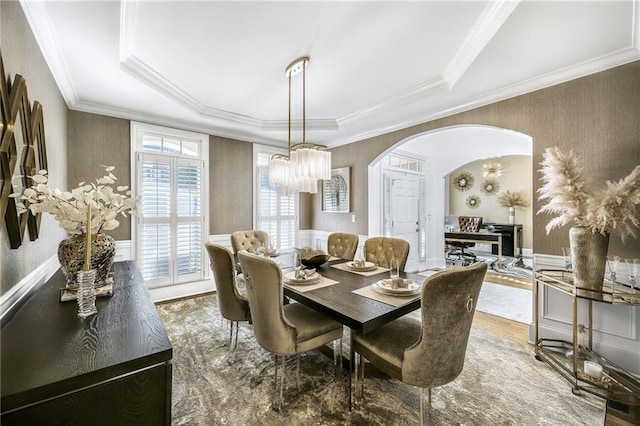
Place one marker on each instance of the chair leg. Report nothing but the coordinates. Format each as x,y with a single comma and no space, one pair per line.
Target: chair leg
235,343
422,408
283,373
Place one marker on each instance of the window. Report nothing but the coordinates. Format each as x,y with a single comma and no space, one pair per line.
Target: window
172,225
276,209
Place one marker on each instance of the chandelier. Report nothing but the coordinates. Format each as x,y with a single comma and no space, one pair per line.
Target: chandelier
305,163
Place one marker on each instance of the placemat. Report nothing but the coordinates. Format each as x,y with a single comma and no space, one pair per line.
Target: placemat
332,258
396,301
344,267
324,282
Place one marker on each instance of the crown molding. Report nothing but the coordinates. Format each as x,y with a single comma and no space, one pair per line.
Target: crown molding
563,75
132,115
404,99
494,15
39,21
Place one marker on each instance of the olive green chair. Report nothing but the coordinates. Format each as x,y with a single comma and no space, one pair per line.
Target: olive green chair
380,250
342,245
284,330
232,304
429,352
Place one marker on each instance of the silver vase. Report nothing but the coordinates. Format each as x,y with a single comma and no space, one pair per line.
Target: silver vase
588,257
71,256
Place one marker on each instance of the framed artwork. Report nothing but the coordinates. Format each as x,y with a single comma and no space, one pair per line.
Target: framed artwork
337,191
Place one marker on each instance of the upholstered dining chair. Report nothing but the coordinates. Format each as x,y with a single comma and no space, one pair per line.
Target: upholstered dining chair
284,330
342,245
233,305
467,224
380,250
430,352
249,240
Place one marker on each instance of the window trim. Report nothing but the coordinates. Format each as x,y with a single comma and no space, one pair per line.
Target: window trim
137,130
267,149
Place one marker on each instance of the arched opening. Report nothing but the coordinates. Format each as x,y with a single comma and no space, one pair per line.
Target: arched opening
444,151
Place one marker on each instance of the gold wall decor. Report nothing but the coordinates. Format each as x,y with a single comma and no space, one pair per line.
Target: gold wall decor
463,181
489,186
473,201
22,153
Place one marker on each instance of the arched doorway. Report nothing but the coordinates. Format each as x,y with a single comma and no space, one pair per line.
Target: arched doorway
444,150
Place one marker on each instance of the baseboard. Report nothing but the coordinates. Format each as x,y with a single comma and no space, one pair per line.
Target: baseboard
13,299
179,291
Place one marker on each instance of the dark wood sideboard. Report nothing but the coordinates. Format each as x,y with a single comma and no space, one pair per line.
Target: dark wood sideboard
112,368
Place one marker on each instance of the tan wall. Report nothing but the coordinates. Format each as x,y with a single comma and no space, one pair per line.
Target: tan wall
230,185
22,55
96,140
516,178
596,116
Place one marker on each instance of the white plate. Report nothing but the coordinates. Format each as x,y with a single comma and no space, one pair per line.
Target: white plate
384,286
290,278
273,254
368,266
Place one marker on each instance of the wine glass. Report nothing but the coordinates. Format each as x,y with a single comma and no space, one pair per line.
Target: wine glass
633,268
612,264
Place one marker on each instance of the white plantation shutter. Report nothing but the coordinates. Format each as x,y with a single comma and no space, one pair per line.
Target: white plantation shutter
277,212
171,239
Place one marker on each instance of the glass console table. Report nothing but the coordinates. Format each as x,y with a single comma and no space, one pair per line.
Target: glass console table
619,388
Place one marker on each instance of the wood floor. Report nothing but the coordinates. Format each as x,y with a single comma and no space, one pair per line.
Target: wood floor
499,326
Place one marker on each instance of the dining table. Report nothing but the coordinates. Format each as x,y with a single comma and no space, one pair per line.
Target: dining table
350,298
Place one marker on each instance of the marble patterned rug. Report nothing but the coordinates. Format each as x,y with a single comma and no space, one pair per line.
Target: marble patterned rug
501,384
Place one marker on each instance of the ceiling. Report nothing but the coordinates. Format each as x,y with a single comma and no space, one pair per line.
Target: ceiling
218,67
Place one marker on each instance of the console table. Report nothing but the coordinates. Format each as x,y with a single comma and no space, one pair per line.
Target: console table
111,368
620,389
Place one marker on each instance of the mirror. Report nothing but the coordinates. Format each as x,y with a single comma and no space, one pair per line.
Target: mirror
36,161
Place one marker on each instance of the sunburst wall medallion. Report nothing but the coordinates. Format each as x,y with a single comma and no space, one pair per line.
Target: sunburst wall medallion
494,169
489,186
473,201
463,181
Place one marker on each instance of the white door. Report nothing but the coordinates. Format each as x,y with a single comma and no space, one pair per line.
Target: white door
402,212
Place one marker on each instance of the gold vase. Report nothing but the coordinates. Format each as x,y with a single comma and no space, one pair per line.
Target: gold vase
588,257
71,256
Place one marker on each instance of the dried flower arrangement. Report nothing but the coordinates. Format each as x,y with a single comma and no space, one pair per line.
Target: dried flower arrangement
512,199
70,208
610,208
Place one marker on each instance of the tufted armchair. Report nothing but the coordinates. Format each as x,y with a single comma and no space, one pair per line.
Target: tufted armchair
429,352
342,245
249,240
284,330
233,305
380,250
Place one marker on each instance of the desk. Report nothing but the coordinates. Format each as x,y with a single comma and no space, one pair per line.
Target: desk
511,238
476,237
113,368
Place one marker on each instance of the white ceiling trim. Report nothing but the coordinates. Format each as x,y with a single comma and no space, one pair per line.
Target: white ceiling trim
40,23
602,63
404,99
494,15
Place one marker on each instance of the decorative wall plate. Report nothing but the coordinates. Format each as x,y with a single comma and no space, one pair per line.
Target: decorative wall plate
490,186
463,181
473,201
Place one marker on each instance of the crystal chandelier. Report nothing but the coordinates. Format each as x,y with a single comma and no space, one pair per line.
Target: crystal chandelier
305,163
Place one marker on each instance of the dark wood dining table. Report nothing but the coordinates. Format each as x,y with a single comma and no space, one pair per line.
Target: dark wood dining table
338,301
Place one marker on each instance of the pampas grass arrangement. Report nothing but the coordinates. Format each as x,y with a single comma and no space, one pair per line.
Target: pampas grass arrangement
611,208
512,199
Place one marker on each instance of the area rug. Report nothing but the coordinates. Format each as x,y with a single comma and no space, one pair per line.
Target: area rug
501,384
507,302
